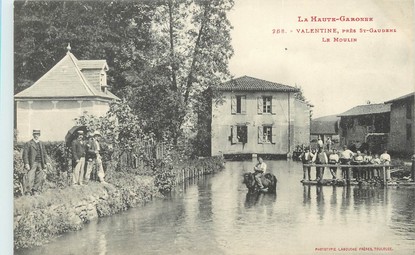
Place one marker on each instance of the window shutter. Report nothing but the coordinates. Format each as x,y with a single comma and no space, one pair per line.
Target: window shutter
274,105
274,135
243,105
233,104
260,134
260,105
234,134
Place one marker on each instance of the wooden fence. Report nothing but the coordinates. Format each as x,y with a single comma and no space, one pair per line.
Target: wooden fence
134,158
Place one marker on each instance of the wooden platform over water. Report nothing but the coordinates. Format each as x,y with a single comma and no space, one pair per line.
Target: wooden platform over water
382,180
340,183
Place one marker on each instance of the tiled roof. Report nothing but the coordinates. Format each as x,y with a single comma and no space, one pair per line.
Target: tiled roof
246,83
64,80
401,98
367,109
92,64
326,125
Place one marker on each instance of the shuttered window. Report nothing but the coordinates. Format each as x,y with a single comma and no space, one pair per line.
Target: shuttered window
266,104
238,104
267,134
239,134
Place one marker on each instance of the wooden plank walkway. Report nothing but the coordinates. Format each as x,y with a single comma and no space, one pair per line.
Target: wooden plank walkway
381,180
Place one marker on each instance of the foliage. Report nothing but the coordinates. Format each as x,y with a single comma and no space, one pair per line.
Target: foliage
117,31
120,128
161,54
18,173
193,43
300,96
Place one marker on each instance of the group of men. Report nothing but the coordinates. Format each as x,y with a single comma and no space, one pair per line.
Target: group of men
85,158
345,157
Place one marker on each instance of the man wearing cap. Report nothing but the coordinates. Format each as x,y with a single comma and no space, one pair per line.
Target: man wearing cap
78,158
34,158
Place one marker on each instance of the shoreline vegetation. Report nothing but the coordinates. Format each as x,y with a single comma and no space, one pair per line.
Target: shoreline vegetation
38,219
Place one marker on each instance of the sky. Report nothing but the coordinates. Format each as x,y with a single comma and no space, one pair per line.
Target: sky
335,76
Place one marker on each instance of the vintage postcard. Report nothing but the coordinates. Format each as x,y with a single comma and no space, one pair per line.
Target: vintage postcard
212,127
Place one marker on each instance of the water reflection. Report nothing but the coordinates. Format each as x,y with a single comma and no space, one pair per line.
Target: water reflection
216,215
259,199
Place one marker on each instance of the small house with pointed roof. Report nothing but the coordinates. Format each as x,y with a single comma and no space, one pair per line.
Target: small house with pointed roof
258,117
402,125
64,93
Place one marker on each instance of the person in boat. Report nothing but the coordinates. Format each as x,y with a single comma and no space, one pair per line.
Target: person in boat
333,160
260,169
307,158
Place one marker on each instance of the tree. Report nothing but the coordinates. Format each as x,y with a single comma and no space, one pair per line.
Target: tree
162,54
300,96
194,47
117,31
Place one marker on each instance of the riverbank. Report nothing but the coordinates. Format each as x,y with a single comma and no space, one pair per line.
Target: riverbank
38,219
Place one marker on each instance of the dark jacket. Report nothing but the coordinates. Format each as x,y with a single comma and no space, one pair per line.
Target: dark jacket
78,150
90,150
31,150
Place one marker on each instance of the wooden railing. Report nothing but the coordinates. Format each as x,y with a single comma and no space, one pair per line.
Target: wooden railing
359,168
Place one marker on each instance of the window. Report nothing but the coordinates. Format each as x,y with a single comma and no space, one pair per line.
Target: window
266,104
267,134
239,134
238,104
408,131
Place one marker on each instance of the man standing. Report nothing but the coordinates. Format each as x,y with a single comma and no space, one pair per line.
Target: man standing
34,159
94,158
260,169
307,158
320,158
78,158
345,159
385,159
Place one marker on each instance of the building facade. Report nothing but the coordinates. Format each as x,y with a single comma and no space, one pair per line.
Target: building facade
64,93
325,127
366,127
258,117
402,125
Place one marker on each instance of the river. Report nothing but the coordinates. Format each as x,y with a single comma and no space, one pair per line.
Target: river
214,215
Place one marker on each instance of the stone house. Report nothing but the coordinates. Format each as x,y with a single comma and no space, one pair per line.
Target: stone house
365,126
402,125
64,93
258,117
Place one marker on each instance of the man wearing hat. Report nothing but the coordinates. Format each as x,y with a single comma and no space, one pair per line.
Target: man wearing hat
94,160
34,158
78,158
